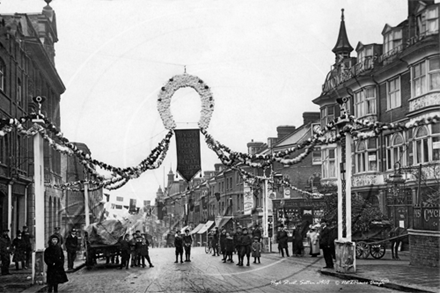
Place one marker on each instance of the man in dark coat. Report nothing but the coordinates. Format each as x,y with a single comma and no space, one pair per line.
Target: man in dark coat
245,247
237,239
124,246
19,248
187,242
28,249
178,244
282,238
71,247
5,251
256,233
325,245
215,237
54,259
223,244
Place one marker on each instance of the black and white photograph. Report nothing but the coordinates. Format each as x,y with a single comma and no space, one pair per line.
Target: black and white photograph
214,146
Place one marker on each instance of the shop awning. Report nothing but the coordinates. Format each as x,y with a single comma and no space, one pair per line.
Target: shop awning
223,221
205,227
196,229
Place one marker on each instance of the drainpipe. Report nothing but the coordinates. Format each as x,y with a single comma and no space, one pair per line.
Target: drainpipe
10,183
26,204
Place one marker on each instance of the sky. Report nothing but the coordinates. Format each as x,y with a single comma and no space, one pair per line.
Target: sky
265,61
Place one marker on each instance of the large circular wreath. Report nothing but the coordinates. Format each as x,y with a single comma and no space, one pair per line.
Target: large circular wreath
180,81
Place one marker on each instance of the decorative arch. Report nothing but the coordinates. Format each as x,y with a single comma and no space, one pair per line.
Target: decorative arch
181,81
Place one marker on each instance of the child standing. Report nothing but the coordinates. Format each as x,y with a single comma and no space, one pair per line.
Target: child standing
256,250
178,244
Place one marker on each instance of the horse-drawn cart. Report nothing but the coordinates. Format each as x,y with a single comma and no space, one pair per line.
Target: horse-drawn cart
374,241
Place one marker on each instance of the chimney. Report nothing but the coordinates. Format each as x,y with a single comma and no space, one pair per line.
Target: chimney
271,141
283,131
310,117
254,147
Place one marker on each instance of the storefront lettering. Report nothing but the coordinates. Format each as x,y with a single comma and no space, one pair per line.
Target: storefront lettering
430,213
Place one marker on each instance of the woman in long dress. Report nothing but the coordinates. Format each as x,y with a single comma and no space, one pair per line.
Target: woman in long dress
54,259
312,236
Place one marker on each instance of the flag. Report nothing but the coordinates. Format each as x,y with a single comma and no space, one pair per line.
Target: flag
188,152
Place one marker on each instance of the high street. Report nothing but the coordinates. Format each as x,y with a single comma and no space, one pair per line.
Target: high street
206,273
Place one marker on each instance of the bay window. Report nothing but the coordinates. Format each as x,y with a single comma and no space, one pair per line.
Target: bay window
426,76
366,155
421,149
365,102
327,115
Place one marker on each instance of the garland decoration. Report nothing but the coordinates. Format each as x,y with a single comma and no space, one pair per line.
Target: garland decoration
181,81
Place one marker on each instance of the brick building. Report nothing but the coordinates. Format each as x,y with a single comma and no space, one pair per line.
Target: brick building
27,69
397,80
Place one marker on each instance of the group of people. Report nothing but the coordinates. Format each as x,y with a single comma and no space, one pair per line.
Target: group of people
137,247
319,237
20,248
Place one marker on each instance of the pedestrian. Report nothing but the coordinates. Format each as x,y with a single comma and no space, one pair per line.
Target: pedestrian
124,246
138,244
28,248
324,244
256,232
282,241
312,237
178,244
215,239
187,242
297,245
19,249
229,247
58,234
245,247
256,249
237,240
133,249
5,251
223,244
71,247
144,254
54,259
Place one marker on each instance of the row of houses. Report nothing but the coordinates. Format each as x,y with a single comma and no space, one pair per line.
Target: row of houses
397,80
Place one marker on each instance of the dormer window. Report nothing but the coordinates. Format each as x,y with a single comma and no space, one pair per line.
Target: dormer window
365,56
392,40
428,21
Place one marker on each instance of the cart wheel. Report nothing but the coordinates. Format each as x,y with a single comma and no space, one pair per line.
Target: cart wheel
377,250
362,250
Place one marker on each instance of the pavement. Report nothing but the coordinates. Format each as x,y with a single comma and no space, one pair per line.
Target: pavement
387,272
21,280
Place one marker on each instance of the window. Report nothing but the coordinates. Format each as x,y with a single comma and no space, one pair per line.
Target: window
365,102
395,150
328,163
435,142
430,68
427,21
316,156
366,155
393,41
327,115
365,57
119,198
2,75
393,95
421,149
434,73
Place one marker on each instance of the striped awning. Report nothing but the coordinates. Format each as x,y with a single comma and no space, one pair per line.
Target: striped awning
196,229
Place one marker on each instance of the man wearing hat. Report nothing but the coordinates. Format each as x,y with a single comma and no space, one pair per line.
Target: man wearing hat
5,252
28,245
325,244
71,247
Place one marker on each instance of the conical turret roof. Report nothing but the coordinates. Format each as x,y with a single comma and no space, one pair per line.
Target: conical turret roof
342,45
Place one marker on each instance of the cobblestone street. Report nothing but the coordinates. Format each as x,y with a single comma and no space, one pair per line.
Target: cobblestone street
206,273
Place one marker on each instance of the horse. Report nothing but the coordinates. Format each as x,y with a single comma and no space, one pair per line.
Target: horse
396,232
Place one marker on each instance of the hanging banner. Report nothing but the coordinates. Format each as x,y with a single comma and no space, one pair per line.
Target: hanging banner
188,152
248,199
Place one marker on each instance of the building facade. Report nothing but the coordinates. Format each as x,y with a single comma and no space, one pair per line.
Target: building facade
27,69
397,80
